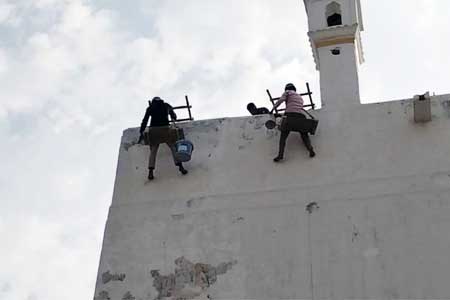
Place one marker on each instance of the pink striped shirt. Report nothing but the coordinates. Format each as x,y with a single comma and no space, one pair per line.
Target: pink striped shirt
294,102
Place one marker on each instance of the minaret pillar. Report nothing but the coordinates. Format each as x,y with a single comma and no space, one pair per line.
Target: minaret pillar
334,33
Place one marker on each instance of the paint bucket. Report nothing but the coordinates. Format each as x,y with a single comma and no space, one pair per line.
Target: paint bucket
184,150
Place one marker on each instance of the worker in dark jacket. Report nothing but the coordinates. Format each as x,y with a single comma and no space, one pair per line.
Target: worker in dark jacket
159,112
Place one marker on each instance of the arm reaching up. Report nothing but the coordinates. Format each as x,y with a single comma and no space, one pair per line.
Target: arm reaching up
278,103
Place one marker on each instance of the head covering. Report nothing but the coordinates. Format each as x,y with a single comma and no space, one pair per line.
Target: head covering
290,87
251,105
154,100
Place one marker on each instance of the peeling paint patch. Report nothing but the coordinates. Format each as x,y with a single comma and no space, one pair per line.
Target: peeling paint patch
107,277
376,239
128,296
194,202
313,206
190,280
103,295
355,233
178,217
237,219
247,137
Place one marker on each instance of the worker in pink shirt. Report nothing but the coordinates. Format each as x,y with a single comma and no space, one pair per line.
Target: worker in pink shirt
293,112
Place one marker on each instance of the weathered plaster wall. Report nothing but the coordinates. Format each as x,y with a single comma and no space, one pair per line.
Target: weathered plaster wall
368,218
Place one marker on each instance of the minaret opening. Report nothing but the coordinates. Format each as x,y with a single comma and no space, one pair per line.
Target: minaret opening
334,14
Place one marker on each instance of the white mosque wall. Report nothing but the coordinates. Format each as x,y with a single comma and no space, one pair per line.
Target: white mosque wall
367,218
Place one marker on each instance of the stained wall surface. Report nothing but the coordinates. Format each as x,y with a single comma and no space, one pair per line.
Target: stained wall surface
367,218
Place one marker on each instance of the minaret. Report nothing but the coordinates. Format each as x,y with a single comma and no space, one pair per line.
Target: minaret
334,33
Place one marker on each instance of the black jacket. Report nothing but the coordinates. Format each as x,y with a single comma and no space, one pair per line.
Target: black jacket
159,111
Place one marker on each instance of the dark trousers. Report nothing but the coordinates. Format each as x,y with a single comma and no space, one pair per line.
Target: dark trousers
285,133
154,151
161,135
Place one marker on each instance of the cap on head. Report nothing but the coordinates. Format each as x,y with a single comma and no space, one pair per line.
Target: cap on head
290,87
154,99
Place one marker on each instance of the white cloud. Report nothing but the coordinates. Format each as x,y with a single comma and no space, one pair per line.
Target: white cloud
7,13
3,62
406,53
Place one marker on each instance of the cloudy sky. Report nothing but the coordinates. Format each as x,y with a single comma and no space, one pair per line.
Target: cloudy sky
75,73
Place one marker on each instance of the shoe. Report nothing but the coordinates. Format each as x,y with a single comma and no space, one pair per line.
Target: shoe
312,153
182,170
278,159
150,175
